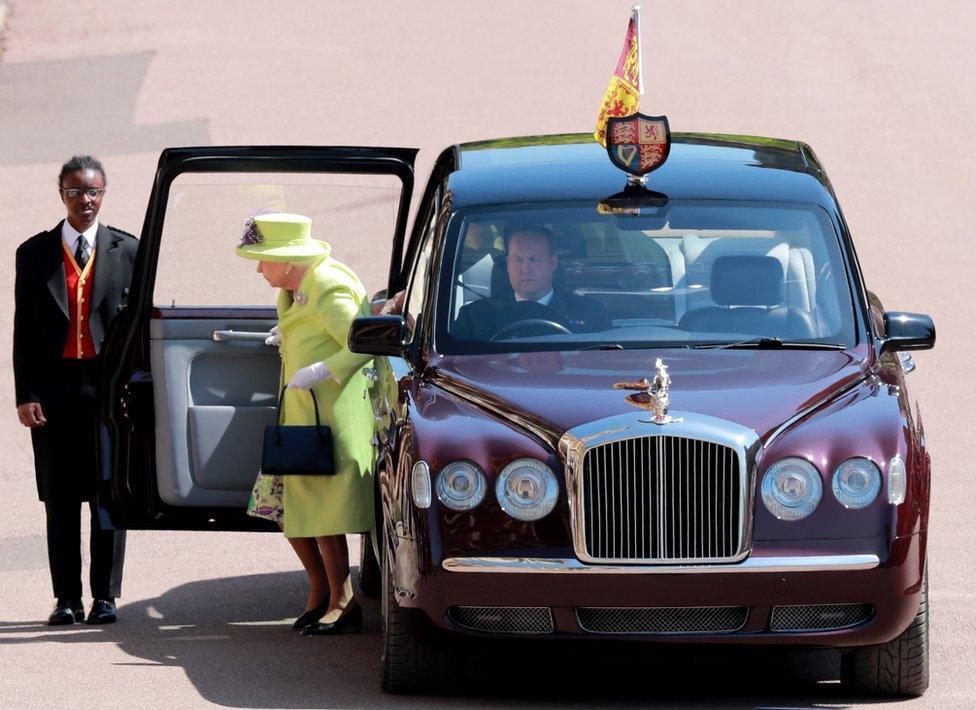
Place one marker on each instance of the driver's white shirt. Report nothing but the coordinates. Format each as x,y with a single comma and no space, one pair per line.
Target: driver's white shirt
544,300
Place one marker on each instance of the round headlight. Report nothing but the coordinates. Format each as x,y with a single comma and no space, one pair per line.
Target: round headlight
857,482
792,489
461,485
527,489
420,484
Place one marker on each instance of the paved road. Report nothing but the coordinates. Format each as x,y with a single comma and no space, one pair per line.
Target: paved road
882,90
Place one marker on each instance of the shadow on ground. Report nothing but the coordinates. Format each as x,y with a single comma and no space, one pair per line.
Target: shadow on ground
233,639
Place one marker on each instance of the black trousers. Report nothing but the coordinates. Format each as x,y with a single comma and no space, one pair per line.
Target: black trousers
65,450
106,549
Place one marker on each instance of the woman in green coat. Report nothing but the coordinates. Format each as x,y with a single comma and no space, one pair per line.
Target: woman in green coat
318,300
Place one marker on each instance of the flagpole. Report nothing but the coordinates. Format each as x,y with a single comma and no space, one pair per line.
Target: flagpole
635,12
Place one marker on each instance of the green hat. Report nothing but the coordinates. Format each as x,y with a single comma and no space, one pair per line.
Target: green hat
280,237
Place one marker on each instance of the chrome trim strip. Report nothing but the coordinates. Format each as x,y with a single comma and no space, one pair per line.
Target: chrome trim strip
496,407
563,565
823,401
574,444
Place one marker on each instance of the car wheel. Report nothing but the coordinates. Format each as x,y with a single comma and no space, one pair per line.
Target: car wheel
412,665
369,569
897,668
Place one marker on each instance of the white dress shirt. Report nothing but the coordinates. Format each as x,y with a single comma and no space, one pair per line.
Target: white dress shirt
70,235
544,300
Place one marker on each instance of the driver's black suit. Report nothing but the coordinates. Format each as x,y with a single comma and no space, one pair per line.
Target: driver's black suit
481,319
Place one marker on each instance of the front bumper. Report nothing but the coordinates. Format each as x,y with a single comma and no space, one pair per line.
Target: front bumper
826,573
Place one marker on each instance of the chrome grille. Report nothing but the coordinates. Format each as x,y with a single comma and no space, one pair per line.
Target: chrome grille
819,617
504,619
662,620
662,498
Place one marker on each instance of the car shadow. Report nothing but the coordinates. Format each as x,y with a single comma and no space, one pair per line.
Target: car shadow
233,639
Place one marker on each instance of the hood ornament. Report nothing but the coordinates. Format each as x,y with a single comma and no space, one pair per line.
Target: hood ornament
652,395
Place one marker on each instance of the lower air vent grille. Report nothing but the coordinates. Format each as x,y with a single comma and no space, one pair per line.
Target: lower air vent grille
662,620
504,619
819,617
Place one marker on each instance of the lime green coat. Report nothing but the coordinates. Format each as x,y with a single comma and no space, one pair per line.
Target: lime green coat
315,329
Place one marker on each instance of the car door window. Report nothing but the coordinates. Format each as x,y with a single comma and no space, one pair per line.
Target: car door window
205,216
213,397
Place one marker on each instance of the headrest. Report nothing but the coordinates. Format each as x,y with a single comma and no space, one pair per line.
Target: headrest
501,286
747,281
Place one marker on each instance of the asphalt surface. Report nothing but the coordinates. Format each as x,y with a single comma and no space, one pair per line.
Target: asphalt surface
883,91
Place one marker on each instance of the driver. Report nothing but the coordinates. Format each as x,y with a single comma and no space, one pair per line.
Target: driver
531,264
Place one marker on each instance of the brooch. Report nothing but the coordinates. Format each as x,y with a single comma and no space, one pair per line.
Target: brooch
300,298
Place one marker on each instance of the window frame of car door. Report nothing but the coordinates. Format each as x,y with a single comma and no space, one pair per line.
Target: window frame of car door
429,224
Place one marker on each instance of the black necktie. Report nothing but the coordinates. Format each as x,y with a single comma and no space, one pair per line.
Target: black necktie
81,254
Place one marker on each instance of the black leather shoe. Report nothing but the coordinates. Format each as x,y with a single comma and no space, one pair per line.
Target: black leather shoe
312,615
103,611
352,618
66,611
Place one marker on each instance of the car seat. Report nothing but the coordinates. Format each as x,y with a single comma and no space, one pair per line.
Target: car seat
748,292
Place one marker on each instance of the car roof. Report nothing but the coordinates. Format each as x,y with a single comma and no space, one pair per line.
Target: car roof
568,167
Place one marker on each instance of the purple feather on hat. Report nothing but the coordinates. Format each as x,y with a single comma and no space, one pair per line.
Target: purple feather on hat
251,234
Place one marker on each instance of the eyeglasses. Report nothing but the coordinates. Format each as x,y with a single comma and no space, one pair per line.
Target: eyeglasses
91,192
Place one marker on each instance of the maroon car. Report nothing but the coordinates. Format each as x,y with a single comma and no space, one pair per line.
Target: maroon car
702,436
671,412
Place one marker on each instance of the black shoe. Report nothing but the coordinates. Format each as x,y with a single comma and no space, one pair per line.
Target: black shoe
103,611
312,615
352,617
66,611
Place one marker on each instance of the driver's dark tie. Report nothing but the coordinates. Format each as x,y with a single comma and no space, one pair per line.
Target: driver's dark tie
81,253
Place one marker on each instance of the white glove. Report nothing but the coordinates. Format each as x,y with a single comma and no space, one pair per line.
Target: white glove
274,338
308,376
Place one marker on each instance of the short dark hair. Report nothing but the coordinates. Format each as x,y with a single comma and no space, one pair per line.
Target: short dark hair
81,162
538,229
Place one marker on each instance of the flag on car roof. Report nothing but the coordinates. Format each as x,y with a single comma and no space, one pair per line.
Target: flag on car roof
625,89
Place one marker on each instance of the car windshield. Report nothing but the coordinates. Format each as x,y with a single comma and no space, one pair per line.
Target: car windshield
691,273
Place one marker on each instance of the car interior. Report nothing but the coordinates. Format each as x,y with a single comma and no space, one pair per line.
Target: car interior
706,282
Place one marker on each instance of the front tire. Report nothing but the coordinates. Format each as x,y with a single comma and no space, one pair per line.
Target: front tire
409,664
897,668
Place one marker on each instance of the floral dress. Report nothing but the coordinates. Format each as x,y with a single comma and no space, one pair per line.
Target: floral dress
267,498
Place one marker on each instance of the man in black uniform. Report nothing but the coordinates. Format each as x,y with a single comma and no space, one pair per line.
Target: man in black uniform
71,281
531,264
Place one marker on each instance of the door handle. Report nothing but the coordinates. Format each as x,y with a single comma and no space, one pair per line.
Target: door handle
222,336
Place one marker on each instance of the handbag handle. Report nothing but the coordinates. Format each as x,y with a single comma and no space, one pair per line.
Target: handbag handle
319,436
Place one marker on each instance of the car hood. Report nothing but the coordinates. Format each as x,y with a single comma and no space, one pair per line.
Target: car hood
759,389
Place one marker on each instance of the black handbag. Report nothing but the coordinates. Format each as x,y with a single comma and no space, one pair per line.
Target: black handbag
297,450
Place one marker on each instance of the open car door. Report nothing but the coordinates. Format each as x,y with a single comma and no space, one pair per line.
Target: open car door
188,383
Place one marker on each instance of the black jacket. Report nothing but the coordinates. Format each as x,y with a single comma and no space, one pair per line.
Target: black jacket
480,320
41,305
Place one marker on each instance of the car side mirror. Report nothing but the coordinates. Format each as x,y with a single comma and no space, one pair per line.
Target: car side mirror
377,335
907,331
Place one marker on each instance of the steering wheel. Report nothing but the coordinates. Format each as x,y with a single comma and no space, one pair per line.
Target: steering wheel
510,328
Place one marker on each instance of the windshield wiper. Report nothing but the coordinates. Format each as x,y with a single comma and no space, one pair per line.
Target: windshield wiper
604,346
769,344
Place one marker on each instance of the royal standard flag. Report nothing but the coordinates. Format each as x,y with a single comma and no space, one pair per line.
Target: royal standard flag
623,93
